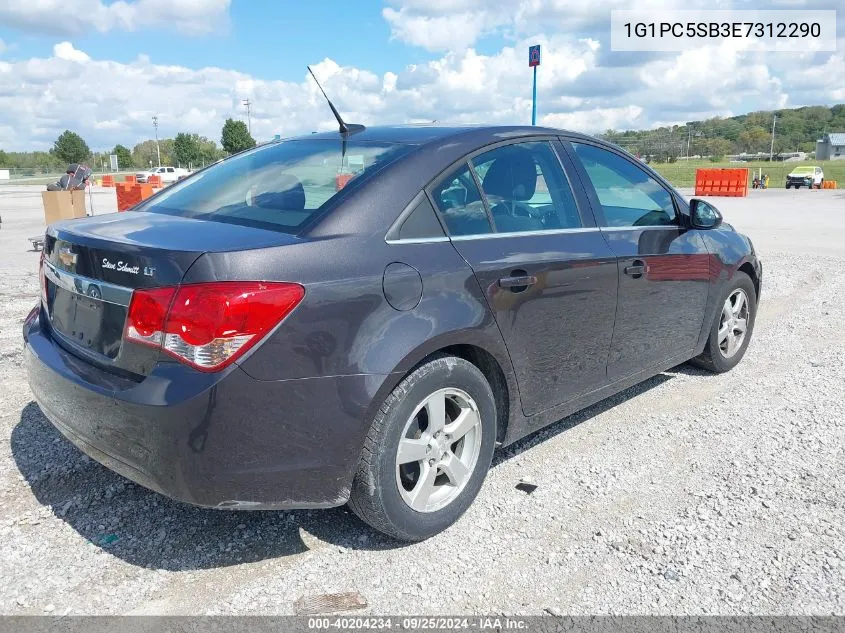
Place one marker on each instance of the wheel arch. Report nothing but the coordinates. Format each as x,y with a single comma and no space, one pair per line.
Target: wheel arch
748,269
489,356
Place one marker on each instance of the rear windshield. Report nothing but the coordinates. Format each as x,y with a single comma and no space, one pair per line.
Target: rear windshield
281,186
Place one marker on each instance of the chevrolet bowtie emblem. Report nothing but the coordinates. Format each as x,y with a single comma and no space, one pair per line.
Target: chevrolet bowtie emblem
66,256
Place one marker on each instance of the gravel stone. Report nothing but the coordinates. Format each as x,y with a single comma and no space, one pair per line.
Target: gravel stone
647,502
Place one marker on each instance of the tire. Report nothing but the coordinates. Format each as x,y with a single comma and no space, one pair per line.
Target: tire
788,186
383,492
715,357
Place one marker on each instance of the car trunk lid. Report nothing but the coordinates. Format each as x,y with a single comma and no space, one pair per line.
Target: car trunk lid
93,265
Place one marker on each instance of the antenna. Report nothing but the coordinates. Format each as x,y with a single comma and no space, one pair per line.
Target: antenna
345,128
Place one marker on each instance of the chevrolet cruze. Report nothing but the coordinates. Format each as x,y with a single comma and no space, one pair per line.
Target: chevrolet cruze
363,317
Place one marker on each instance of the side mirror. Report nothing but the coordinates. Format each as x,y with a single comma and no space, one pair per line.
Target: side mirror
703,215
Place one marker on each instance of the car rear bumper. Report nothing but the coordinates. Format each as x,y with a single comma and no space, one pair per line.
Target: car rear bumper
217,440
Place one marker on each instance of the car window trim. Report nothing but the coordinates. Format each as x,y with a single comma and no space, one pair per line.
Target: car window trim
406,212
592,194
583,229
482,195
551,139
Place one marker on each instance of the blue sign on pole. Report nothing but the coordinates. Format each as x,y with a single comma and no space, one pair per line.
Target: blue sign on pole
534,55
533,62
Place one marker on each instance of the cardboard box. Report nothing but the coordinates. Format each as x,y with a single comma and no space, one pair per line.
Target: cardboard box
63,205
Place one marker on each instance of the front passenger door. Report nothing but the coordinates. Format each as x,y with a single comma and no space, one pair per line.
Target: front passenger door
663,266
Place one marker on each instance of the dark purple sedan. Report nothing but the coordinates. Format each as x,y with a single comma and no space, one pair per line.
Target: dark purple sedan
363,317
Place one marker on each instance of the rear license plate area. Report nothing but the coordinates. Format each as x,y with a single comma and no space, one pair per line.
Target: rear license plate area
86,321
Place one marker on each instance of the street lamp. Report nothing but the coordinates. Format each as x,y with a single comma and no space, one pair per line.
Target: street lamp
158,150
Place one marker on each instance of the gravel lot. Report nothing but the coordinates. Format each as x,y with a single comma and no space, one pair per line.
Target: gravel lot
688,494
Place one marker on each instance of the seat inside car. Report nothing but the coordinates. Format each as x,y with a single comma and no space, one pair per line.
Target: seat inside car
512,179
285,194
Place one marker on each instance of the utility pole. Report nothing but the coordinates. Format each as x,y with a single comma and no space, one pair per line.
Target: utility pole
772,148
247,103
689,139
158,150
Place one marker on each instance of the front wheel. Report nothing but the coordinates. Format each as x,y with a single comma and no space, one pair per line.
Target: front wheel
732,327
427,452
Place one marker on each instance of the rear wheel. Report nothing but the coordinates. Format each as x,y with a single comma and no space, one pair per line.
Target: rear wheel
427,452
732,327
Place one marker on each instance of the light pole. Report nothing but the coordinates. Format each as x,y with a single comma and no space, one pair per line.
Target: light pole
247,103
772,148
158,150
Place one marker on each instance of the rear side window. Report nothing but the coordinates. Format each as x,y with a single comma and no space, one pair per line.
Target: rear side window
421,223
526,188
281,186
628,195
460,204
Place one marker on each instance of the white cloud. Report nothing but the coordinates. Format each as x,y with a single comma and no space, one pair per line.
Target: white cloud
73,17
581,85
65,50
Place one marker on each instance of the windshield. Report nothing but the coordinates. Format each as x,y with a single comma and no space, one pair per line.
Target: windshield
280,186
803,171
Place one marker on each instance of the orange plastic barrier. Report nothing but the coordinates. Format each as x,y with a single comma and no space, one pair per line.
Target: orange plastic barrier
130,178
129,194
108,180
155,181
341,180
829,184
721,182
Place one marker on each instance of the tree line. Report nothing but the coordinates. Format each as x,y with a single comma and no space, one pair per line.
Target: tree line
796,130
184,150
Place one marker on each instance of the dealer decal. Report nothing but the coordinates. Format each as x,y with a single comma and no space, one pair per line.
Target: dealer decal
120,266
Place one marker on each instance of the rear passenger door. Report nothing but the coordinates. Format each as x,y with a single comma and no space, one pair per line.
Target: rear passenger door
549,277
663,265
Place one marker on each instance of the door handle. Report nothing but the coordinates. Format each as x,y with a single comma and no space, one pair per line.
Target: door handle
637,270
522,281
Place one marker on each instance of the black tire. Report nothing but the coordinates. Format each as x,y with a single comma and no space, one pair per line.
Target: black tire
789,186
375,495
713,359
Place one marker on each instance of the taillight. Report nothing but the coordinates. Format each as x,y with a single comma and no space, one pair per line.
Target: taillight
209,325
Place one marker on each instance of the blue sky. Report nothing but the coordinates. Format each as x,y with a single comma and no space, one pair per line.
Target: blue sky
104,68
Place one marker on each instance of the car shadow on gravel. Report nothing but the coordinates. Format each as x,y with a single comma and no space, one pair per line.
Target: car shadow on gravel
147,529
579,417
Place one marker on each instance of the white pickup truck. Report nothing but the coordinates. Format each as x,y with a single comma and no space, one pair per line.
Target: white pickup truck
167,174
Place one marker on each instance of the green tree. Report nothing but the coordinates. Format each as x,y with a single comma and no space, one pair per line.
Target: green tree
186,149
209,152
718,148
236,137
4,159
124,156
754,139
144,154
70,148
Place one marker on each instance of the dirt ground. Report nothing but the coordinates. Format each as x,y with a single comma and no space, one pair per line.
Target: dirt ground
687,494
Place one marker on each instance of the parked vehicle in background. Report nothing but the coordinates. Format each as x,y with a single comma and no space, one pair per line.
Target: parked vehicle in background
167,174
809,176
363,317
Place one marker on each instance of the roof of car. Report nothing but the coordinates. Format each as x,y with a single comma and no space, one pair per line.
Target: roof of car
423,134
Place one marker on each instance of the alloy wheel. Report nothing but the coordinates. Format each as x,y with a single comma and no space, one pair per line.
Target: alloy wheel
733,323
438,450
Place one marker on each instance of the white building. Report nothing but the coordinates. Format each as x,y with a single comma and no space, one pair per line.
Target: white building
831,147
